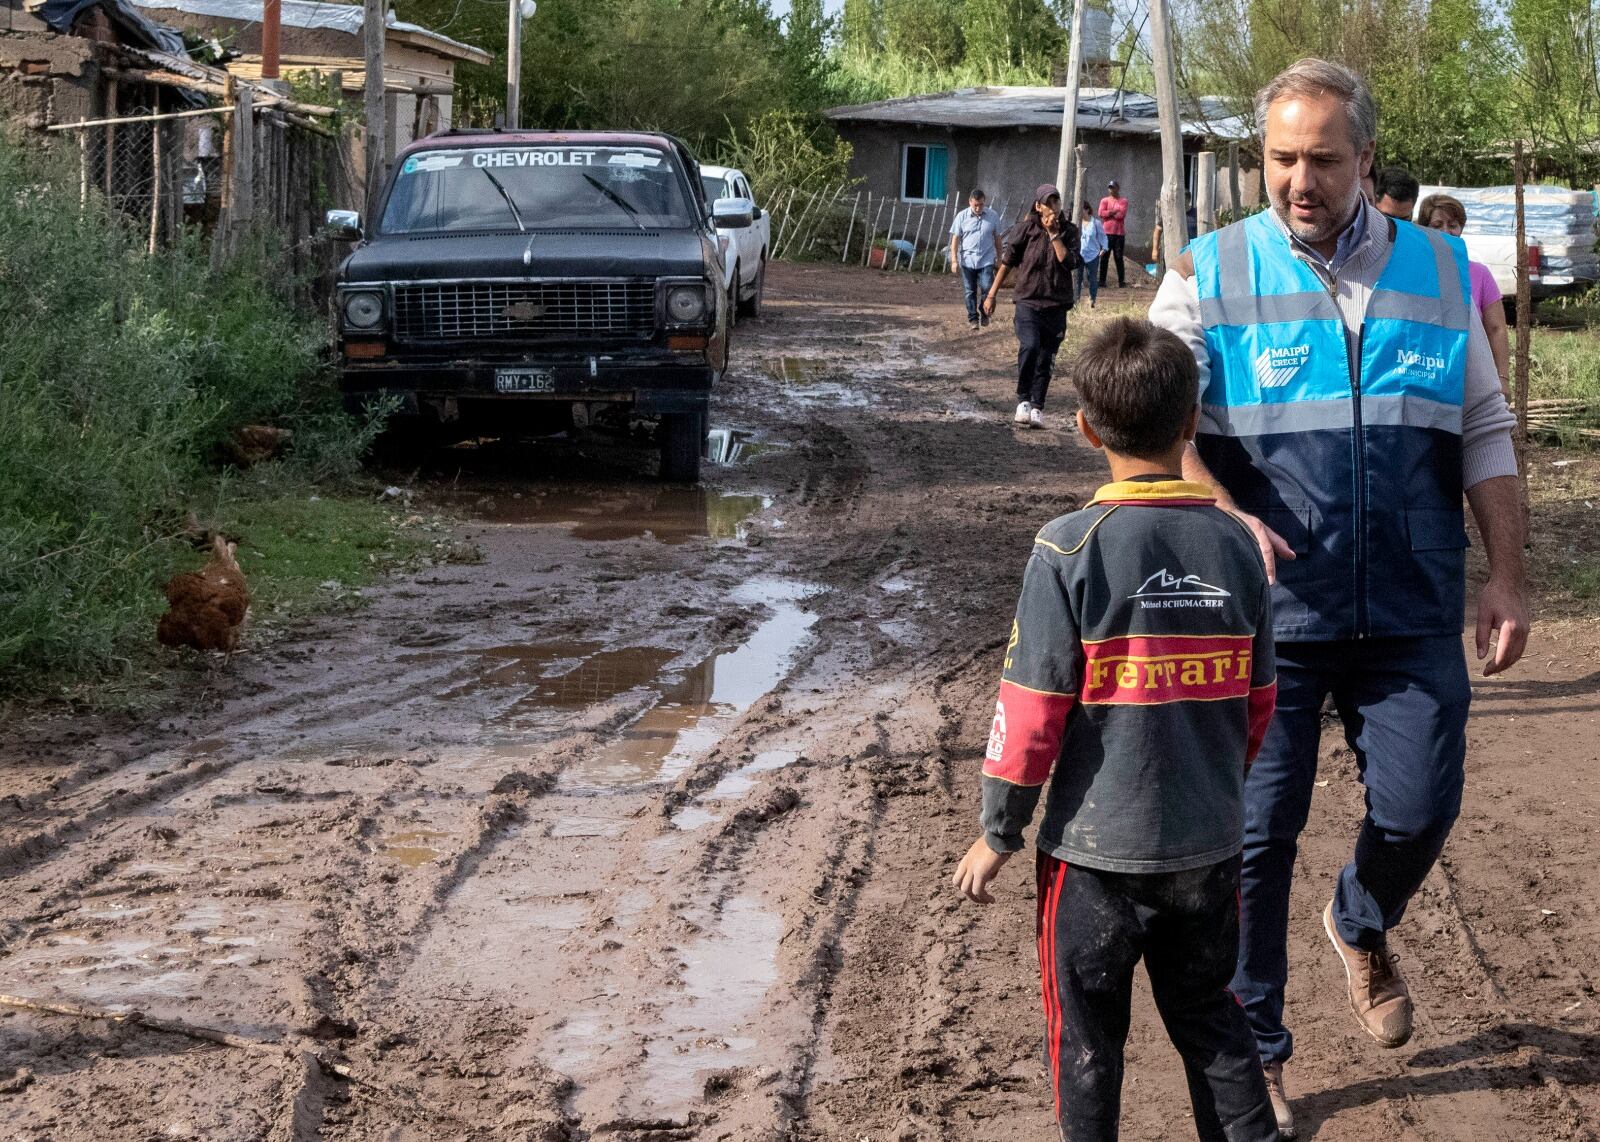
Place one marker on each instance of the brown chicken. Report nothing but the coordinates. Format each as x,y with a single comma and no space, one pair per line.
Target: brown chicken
206,607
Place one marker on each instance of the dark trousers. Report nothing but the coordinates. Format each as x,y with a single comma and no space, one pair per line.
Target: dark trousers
1039,334
976,285
1403,702
1114,246
1094,927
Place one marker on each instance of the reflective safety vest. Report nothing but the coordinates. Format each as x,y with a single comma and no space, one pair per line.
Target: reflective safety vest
1353,456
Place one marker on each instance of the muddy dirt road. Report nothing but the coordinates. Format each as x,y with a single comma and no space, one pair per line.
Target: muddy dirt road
641,827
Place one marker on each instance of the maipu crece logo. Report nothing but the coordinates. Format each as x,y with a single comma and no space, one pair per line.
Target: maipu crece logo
1276,365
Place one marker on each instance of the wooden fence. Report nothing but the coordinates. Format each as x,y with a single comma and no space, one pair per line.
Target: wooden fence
844,223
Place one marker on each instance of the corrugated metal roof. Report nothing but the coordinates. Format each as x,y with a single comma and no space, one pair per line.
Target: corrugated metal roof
1099,109
316,14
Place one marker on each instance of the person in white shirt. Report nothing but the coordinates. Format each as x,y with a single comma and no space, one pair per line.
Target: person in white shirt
974,246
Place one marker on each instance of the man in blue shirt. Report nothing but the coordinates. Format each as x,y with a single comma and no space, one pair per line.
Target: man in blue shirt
974,246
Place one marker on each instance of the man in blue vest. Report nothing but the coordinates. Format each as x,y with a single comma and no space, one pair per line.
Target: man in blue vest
1349,399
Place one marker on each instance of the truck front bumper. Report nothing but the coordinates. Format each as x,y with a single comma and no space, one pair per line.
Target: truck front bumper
653,382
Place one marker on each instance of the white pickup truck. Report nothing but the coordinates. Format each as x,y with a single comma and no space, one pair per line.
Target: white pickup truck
745,251
1562,228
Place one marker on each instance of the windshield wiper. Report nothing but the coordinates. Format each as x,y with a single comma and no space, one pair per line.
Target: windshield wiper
614,197
505,194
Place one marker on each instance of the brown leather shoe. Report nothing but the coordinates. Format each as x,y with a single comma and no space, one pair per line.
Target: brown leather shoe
1280,1101
1378,994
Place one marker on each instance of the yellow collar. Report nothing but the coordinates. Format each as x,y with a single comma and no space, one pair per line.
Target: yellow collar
1153,491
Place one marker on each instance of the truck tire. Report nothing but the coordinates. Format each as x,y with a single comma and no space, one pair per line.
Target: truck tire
682,440
751,306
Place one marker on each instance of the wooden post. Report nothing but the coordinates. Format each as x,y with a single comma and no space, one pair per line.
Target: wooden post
1069,102
1524,325
888,234
373,27
111,134
783,222
155,185
229,128
1079,181
1205,178
1174,226
1234,205
850,231
243,205
872,237
83,166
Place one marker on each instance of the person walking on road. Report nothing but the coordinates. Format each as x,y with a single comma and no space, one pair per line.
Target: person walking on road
1114,213
1349,399
974,248
1042,249
1091,245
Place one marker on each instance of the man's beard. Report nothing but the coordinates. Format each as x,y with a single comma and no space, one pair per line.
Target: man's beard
1338,218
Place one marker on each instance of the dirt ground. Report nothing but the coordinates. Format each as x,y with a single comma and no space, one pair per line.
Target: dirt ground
641,828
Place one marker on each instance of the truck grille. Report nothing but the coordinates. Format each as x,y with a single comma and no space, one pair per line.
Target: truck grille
510,310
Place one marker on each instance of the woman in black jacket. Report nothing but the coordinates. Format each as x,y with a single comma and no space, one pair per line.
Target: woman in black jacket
1042,251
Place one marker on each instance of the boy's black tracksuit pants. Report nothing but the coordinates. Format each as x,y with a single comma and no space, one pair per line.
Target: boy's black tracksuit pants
1094,928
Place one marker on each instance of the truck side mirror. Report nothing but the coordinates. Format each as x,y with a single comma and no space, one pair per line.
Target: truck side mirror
733,213
344,225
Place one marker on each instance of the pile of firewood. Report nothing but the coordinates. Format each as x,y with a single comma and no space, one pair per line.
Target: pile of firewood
1565,418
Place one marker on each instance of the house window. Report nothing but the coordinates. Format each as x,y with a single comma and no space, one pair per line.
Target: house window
922,170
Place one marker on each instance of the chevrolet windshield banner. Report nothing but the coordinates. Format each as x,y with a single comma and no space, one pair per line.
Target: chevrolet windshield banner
530,157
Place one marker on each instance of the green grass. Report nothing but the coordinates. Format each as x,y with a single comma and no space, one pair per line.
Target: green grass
120,374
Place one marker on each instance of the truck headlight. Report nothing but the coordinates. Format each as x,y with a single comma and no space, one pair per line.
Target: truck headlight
363,310
686,304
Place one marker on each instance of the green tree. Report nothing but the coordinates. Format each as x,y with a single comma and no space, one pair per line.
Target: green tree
923,31
1555,98
861,30
999,34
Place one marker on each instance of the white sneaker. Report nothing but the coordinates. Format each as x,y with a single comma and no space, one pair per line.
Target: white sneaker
1023,410
1036,418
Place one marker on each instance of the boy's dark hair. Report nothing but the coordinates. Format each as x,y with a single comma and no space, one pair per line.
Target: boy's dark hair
1137,385
976,193
1396,183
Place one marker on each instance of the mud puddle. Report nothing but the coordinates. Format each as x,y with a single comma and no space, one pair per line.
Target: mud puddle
695,1030
608,514
734,784
694,714
732,446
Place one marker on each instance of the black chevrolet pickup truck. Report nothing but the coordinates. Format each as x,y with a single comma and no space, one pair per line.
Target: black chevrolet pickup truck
510,279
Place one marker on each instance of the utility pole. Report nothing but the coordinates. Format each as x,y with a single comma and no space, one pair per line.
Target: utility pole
375,21
1079,177
514,68
1205,202
1174,227
521,10
271,24
1069,104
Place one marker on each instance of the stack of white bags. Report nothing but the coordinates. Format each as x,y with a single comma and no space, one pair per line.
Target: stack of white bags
1561,222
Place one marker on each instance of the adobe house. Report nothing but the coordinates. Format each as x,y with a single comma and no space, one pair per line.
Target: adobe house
418,64
931,148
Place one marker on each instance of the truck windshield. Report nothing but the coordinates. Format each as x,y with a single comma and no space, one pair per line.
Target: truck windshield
549,187
714,186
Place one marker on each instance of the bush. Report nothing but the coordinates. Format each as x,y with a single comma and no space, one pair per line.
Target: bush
120,373
781,151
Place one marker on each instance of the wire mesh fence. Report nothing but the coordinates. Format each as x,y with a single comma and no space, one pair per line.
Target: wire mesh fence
224,170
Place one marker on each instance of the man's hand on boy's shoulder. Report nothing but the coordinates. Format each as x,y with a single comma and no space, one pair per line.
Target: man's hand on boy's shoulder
977,871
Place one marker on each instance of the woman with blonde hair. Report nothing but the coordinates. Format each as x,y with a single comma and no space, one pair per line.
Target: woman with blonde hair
1442,212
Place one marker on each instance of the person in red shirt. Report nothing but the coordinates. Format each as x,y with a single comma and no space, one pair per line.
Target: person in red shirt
1114,214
